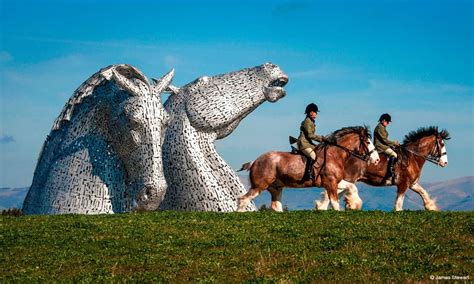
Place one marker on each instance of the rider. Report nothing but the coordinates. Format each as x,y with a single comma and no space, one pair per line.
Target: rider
306,138
383,145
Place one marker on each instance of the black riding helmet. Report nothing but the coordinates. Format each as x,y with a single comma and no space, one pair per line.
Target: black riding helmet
311,107
385,117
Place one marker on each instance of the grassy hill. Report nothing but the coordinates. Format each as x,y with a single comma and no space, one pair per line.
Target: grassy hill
258,246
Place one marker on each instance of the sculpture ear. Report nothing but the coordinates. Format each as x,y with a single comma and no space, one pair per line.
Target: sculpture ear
162,84
173,90
125,83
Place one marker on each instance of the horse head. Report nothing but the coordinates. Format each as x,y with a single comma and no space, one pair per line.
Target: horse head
358,140
135,128
103,153
202,111
429,140
442,154
217,104
368,146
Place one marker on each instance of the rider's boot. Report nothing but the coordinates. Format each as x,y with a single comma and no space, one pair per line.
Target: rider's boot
391,170
308,171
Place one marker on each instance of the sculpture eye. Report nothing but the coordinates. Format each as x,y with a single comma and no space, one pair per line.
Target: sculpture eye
136,137
135,126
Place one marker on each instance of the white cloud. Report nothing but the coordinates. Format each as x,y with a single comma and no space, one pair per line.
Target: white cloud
419,88
323,72
48,79
110,43
171,61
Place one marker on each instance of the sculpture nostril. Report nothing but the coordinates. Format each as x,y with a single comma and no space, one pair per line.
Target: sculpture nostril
280,82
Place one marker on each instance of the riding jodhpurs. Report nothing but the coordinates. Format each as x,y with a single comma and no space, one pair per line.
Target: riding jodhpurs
390,153
311,158
309,153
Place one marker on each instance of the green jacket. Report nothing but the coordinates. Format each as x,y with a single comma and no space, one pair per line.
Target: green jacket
381,141
308,134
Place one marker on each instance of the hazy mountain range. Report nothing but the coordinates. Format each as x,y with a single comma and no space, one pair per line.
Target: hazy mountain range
452,195
12,197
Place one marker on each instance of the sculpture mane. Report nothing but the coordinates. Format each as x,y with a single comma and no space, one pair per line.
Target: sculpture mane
87,88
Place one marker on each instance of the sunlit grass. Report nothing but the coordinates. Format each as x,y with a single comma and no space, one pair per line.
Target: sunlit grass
232,247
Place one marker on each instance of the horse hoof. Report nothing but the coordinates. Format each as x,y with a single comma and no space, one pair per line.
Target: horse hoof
317,205
432,207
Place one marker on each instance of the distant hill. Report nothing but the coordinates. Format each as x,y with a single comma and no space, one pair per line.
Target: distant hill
12,197
452,195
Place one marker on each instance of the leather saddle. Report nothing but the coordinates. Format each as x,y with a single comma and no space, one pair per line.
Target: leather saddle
309,165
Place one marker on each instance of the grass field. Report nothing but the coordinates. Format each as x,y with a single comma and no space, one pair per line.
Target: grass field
260,246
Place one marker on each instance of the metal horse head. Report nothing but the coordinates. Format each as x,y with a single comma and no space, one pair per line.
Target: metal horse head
202,111
219,103
103,154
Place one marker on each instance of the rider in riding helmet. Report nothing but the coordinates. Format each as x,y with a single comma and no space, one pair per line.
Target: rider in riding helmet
306,138
384,145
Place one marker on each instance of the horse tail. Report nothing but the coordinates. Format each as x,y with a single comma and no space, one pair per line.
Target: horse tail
246,166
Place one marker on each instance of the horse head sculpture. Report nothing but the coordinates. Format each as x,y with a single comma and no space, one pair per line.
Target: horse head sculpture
103,154
202,111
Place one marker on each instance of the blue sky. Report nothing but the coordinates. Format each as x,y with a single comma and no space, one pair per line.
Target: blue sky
355,59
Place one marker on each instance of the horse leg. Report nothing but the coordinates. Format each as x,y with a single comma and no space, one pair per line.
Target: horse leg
353,201
429,203
400,197
324,202
276,193
245,199
331,189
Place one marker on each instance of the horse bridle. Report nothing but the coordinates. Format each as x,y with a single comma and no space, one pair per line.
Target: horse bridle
365,157
430,158
368,152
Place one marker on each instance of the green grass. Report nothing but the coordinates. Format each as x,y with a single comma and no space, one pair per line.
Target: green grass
261,246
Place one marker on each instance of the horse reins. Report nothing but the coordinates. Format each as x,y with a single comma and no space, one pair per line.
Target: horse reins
326,143
429,157
364,158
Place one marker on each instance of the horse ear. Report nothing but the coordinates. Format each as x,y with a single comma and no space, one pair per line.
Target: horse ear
172,89
162,84
445,134
125,83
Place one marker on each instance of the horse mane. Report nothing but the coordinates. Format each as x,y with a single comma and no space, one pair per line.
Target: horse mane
87,88
333,137
421,132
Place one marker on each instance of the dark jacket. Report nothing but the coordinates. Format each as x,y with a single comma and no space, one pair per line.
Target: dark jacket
381,141
308,134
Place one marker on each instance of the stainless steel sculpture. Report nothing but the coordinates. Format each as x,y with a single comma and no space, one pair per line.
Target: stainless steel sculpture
103,154
202,111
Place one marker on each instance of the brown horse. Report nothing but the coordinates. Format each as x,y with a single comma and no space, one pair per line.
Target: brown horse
274,170
424,144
